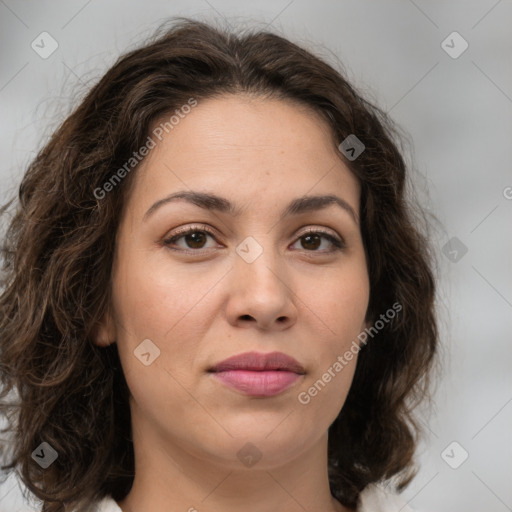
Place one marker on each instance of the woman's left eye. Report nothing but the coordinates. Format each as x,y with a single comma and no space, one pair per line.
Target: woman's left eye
313,238
195,239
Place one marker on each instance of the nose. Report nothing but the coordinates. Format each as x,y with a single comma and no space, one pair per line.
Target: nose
261,293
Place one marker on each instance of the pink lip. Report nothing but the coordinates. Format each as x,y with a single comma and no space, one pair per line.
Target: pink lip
258,374
258,383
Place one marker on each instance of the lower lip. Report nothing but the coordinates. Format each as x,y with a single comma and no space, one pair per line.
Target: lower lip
258,383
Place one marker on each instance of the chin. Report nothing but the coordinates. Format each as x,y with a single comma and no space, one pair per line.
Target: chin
257,448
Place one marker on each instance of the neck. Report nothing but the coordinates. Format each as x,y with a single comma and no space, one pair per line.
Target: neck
169,477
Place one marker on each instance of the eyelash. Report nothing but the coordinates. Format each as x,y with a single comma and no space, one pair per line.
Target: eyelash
339,244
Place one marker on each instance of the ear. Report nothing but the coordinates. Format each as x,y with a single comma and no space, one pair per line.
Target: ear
104,332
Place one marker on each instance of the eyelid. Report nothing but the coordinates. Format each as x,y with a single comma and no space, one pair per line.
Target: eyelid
191,228
322,230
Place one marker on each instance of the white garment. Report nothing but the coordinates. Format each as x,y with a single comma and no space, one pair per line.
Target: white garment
373,499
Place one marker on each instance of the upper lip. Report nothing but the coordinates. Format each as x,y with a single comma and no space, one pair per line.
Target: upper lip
255,361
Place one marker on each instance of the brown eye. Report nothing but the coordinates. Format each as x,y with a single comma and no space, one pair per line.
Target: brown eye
194,238
312,240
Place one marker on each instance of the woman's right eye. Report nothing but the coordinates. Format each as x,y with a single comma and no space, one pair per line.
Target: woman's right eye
194,237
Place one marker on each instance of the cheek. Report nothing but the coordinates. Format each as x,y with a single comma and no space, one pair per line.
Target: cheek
321,398
151,299
155,341
341,302
341,305
165,306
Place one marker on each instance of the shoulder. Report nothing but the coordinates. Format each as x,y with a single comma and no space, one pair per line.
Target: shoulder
376,498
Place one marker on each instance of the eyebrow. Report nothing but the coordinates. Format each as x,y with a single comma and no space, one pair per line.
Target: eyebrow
213,202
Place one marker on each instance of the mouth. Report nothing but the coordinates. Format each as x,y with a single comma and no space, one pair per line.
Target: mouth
259,375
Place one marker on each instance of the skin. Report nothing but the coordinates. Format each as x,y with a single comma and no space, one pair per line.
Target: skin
297,297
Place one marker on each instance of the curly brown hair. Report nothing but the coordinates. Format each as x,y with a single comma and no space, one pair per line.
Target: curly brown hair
58,255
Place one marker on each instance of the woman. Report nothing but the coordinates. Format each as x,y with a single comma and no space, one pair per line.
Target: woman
215,295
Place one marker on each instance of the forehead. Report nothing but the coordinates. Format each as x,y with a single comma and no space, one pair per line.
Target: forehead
249,119
234,140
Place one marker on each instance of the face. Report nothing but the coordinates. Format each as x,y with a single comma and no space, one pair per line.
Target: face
256,277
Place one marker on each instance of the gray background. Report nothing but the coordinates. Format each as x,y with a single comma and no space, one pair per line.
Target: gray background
458,114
